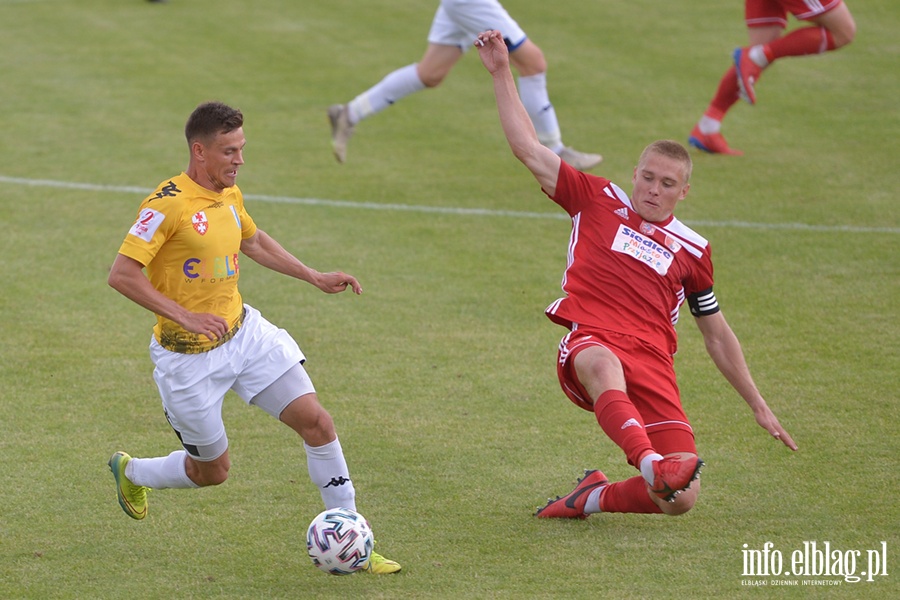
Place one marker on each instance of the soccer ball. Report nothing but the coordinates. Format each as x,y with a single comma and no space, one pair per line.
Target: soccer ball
339,541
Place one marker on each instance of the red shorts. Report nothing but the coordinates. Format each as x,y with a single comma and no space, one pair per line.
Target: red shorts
765,13
649,377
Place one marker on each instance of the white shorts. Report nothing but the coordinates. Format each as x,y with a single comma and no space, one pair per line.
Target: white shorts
192,386
458,23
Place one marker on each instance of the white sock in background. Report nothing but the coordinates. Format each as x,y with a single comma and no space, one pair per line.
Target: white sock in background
533,92
395,86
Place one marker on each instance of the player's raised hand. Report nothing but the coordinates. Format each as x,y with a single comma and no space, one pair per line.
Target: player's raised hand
492,50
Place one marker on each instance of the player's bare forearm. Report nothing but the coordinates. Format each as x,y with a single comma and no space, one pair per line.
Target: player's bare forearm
266,251
725,350
517,126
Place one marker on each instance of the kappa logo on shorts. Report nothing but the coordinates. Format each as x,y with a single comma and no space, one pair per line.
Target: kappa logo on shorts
200,222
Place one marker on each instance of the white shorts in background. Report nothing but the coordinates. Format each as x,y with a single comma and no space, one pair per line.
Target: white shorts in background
458,23
192,386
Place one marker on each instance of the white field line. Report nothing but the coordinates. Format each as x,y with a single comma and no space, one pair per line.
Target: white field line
484,212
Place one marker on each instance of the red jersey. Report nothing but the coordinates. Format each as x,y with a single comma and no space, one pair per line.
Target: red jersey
625,274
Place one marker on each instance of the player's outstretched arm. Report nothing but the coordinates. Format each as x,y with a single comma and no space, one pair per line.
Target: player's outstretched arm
265,250
725,350
540,160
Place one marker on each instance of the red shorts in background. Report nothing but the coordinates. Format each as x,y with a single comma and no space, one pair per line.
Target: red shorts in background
765,13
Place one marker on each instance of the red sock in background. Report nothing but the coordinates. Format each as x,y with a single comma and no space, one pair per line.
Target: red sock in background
800,42
629,496
621,421
726,95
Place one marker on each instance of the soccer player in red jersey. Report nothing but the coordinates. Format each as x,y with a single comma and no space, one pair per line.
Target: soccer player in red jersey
631,264
832,27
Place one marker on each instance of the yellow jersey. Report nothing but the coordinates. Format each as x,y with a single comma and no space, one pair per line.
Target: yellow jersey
188,239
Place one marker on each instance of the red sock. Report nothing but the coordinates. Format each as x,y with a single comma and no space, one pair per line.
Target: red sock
621,421
629,496
726,96
806,40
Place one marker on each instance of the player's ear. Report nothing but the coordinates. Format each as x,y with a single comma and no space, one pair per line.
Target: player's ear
198,150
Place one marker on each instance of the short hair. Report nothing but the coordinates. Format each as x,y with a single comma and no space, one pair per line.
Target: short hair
673,150
210,119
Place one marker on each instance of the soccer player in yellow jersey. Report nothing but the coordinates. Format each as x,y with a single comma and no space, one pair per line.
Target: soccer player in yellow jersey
189,235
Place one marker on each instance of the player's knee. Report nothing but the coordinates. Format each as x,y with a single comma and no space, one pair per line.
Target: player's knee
208,474
431,80
840,25
431,75
679,507
600,366
217,477
844,35
323,426
528,59
683,503
310,420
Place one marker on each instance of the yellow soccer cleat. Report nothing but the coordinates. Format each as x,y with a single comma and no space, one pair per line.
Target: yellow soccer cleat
132,498
379,565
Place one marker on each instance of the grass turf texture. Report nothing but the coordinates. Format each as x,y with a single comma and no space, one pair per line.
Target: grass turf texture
441,376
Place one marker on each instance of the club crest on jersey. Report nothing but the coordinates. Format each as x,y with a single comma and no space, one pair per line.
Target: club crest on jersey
647,228
673,244
200,222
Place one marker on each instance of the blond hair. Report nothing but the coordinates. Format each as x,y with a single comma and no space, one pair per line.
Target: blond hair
673,150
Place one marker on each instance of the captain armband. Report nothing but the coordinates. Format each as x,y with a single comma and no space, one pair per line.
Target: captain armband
703,303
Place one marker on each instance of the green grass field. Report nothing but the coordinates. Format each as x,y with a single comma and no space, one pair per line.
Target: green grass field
441,376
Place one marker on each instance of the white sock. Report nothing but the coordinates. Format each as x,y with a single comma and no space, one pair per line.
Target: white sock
395,86
328,471
592,505
758,56
160,473
647,466
708,125
533,92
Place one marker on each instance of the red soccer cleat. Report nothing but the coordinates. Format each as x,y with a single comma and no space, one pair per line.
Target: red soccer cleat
747,74
673,475
572,505
714,143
